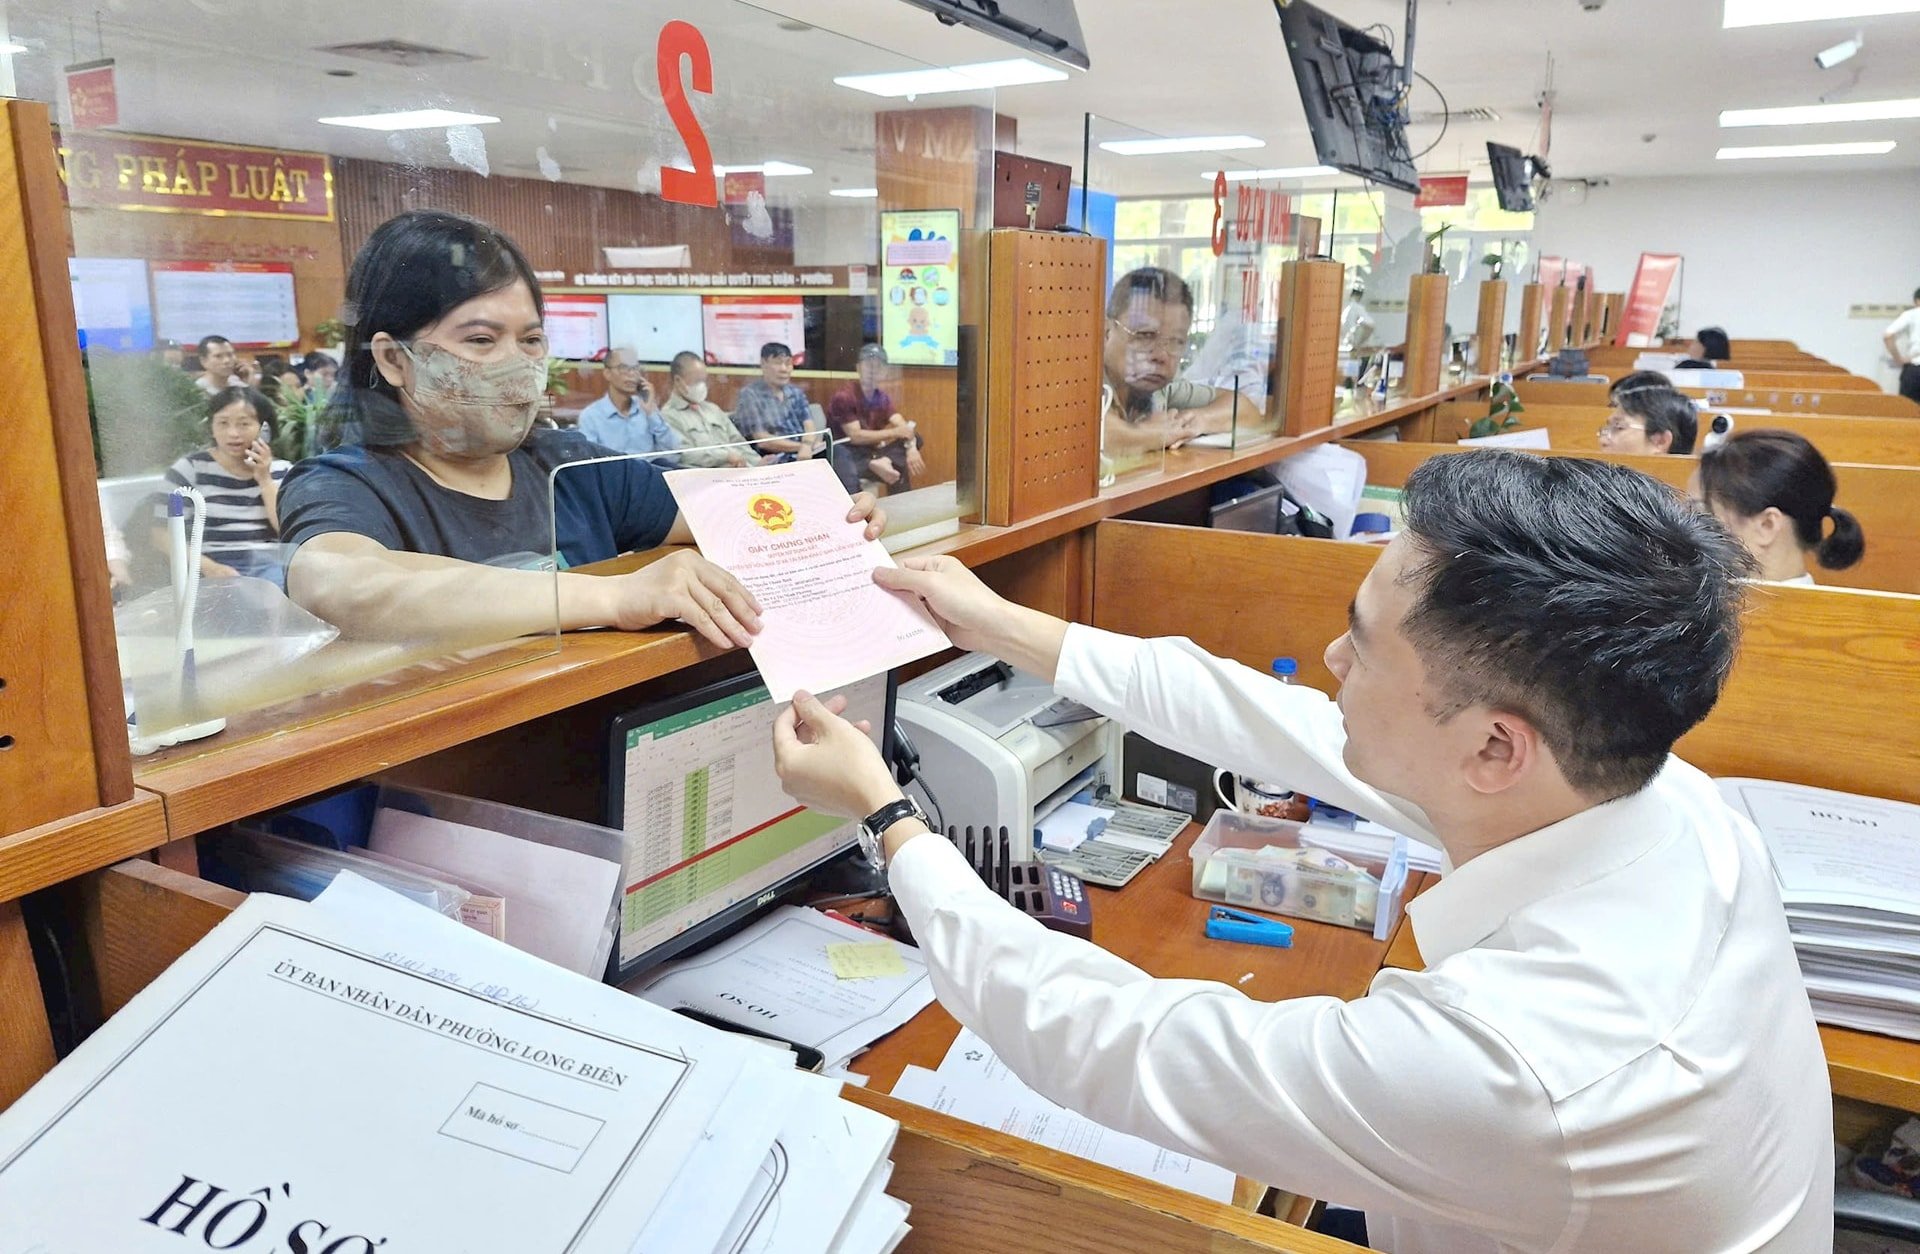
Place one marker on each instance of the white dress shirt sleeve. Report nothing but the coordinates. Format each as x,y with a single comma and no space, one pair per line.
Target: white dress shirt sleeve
1384,1103
1178,695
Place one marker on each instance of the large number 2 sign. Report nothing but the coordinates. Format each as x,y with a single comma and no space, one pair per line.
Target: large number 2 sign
683,39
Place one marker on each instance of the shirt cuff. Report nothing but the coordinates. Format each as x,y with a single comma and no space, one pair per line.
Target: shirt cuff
1096,667
927,873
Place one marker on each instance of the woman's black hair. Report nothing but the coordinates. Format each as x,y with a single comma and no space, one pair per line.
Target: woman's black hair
1755,470
1662,409
1639,380
413,270
1714,342
254,397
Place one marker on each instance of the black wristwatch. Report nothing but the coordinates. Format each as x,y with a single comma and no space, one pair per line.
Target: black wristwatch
875,825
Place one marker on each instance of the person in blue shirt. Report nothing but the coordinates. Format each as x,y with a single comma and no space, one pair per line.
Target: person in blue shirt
626,420
425,528
772,410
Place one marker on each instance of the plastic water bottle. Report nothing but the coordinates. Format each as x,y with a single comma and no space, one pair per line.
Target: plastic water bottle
1285,669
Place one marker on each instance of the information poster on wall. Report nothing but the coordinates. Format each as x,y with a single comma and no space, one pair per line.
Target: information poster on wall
920,286
736,327
576,326
111,304
250,303
656,326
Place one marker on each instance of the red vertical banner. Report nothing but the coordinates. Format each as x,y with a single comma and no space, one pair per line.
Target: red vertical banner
1646,299
93,97
1553,271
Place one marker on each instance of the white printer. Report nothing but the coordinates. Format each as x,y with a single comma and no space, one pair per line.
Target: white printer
999,749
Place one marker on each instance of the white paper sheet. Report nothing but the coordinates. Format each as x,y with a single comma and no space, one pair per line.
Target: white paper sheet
974,1085
774,976
557,899
373,1070
1530,437
1835,848
1068,826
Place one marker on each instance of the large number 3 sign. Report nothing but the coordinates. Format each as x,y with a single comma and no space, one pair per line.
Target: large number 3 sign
683,39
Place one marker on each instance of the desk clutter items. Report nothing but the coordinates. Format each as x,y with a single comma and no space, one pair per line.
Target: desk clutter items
1281,867
357,1072
778,976
973,1084
547,886
1849,873
1129,840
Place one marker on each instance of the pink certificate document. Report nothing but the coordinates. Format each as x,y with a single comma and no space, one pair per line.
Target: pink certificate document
783,532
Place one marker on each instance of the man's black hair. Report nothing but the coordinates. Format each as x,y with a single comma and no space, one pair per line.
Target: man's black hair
1589,599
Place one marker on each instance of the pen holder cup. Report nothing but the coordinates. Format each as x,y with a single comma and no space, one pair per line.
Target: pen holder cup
1274,866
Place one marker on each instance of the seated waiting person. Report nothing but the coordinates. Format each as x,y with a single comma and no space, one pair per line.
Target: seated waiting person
772,410
239,478
1774,491
1650,420
1143,405
1708,350
872,439
424,527
626,420
707,436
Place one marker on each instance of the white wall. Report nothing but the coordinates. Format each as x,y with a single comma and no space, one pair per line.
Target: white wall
1767,256
836,233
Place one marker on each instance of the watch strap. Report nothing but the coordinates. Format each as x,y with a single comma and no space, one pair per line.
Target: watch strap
887,815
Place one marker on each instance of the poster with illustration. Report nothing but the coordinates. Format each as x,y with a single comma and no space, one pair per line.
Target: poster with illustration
920,286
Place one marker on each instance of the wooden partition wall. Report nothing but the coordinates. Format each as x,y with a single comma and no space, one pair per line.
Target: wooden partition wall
1426,332
1490,331
1527,343
1559,315
1868,441
1800,400
1308,353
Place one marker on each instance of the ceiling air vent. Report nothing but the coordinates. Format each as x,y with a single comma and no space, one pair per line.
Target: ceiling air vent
1432,117
400,52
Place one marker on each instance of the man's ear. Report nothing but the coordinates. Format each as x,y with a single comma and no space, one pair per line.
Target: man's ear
1510,747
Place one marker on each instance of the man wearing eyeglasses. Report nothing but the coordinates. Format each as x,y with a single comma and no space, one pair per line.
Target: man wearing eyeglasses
626,420
1144,405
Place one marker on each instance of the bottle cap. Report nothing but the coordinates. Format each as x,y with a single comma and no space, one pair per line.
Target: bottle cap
1371,524
1285,666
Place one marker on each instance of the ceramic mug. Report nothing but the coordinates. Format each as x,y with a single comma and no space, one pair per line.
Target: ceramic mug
1256,797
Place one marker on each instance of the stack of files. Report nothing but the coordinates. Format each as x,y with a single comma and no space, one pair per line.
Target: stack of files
1849,874
358,1072
973,1084
778,975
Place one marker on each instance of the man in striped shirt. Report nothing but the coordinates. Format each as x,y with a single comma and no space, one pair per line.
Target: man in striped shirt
239,478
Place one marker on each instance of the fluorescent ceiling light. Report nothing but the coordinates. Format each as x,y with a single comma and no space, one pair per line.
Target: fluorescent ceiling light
1808,115
1191,143
855,193
1291,172
1869,148
8,50
772,169
942,78
1778,12
411,120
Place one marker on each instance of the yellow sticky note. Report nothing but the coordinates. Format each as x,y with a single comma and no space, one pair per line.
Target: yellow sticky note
863,961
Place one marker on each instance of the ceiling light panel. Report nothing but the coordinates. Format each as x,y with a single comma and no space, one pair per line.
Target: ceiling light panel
1867,148
411,120
1811,115
978,76
1190,143
1779,12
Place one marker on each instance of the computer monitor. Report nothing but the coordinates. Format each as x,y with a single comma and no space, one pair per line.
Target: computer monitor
1256,511
711,840
1351,91
1512,177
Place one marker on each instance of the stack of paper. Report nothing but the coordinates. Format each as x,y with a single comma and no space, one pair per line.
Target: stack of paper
974,1085
359,1070
802,976
1849,872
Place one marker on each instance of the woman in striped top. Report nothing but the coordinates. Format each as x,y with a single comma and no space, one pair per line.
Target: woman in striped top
239,478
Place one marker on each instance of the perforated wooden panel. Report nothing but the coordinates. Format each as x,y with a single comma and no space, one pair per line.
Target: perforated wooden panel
1527,347
1560,313
1047,310
1426,331
1309,347
1489,336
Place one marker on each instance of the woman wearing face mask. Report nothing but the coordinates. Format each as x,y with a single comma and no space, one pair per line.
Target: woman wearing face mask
416,525
1774,491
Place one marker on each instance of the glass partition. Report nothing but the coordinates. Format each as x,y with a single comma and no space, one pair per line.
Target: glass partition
365,295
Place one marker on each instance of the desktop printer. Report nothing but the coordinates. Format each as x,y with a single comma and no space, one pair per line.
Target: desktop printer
998,749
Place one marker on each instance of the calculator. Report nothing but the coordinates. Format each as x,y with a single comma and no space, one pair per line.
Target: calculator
1054,897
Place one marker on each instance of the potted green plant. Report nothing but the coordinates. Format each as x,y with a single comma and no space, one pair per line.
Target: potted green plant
1503,412
330,333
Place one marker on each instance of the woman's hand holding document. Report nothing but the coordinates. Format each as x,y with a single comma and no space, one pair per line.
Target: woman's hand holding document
796,540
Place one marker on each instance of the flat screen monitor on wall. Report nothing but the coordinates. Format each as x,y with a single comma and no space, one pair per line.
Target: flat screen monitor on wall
576,326
736,327
655,325
1350,89
1512,177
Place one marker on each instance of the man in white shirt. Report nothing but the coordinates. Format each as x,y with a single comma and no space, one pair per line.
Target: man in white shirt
1611,1047
1903,345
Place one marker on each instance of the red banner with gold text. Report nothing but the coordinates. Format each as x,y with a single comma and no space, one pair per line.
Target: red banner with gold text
110,170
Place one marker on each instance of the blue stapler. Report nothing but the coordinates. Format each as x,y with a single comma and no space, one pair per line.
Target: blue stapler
1248,929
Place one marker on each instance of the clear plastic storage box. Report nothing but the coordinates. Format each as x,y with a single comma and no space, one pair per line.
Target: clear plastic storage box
1276,866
